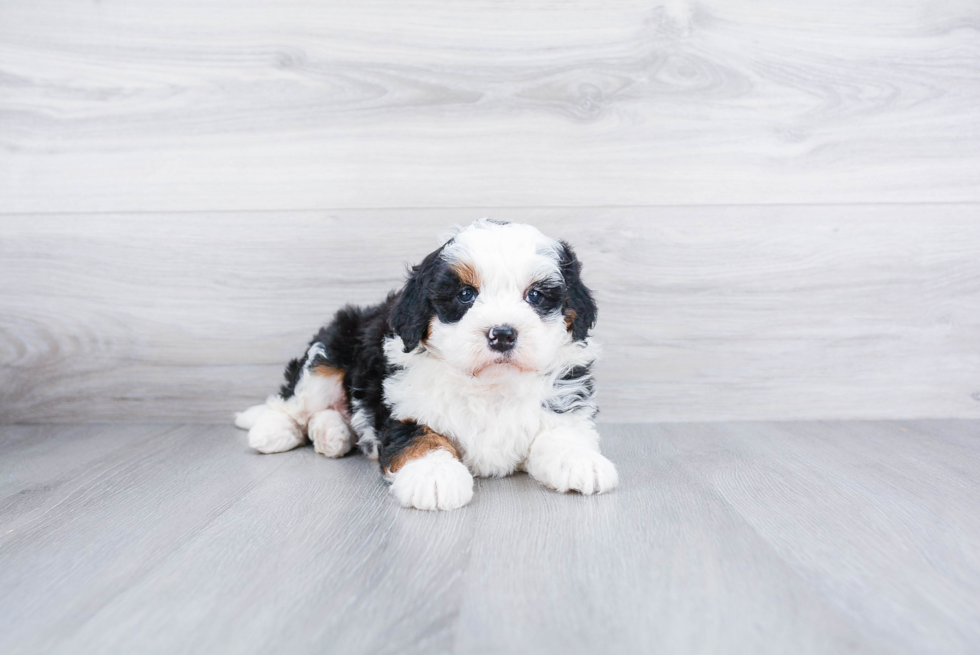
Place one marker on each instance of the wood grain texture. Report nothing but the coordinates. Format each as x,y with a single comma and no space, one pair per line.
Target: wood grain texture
705,313
821,537
216,105
876,514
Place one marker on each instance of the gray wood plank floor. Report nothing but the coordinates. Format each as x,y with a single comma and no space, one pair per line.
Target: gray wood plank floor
814,537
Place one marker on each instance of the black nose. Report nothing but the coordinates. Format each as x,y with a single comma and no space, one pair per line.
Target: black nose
502,338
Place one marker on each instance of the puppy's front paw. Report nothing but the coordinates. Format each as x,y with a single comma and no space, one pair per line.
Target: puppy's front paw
582,470
436,481
329,433
274,432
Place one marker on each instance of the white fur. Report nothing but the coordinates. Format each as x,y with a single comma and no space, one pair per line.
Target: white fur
508,259
494,418
246,420
313,393
491,405
330,433
436,481
275,432
283,424
362,422
565,457
504,412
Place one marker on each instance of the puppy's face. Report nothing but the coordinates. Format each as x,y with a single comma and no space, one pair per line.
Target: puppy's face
496,298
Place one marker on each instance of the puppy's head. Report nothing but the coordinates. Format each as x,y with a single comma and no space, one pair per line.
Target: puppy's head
496,297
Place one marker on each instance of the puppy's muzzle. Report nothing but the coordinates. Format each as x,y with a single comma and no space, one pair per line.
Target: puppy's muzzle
502,338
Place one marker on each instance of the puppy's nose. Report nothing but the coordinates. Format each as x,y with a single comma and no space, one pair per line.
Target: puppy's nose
502,338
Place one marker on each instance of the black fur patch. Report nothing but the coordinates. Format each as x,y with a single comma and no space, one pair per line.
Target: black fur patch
553,295
578,298
293,372
396,437
444,288
432,290
354,343
412,311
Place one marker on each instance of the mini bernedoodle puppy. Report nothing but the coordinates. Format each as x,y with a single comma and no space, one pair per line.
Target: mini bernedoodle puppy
480,365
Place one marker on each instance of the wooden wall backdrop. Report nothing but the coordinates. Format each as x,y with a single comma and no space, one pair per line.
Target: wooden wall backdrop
777,202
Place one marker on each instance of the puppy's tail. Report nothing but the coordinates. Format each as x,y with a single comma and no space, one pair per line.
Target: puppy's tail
247,419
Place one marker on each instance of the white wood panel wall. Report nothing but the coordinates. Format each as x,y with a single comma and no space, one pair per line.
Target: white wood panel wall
778,202
718,313
142,105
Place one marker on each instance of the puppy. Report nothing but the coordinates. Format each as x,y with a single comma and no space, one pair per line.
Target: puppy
480,365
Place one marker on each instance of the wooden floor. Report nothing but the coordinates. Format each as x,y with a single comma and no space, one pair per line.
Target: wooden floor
821,537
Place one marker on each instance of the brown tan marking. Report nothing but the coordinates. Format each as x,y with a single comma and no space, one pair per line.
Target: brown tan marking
326,370
467,274
421,446
339,403
570,315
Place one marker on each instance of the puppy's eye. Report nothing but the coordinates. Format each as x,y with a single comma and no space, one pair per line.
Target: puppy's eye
467,295
534,297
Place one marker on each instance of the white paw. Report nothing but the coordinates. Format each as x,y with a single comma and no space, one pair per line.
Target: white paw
246,420
436,481
580,469
274,432
329,433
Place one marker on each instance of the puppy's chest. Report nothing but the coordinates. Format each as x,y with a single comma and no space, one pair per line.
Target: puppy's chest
493,425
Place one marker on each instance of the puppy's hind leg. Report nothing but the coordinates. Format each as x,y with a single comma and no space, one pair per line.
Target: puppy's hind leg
246,420
275,431
313,388
330,434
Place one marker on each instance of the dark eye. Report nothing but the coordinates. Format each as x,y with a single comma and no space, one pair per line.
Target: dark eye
534,297
467,295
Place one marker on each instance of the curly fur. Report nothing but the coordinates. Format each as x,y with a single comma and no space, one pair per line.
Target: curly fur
425,375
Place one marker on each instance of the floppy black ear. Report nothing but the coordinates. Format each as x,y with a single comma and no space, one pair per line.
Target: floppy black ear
413,310
579,307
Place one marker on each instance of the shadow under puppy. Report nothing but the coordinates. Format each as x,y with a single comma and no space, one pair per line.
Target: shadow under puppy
480,365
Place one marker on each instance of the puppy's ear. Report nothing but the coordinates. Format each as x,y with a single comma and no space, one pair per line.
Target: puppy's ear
413,310
579,308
